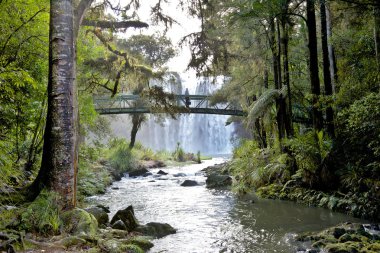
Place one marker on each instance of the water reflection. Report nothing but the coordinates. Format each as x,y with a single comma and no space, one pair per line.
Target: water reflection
214,220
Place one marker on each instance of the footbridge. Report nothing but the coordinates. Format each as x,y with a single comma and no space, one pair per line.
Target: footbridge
131,104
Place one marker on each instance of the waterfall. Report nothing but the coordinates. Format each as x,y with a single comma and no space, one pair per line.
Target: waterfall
195,132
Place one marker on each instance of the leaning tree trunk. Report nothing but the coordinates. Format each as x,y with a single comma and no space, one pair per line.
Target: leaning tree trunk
59,166
313,65
137,120
326,69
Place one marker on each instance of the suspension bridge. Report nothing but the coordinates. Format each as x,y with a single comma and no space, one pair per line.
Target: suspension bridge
131,104
199,104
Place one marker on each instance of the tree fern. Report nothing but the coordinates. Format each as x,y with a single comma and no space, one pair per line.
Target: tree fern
264,102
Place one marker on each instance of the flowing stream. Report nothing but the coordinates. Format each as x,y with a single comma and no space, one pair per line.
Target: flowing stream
214,220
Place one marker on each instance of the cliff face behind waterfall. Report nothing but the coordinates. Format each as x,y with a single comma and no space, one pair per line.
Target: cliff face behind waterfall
196,132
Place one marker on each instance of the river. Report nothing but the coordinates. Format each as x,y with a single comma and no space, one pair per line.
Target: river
214,220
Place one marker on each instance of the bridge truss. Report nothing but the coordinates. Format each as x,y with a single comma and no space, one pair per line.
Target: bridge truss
131,104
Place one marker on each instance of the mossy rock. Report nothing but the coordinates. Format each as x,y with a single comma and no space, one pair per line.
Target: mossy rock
110,233
346,247
374,247
72,241
119,246
127,216
79,222
141,241
99,213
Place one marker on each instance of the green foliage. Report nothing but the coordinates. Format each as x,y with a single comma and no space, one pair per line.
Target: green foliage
179,154
255,167
120,156
310,151
42,215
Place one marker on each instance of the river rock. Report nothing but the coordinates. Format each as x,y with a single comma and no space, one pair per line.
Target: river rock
155,229
99,213
126,215
179,175
79,222
187,183
147,174
119,224
161,172
151,164
216,181
138,172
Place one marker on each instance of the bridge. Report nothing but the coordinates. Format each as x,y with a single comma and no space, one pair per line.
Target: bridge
131,104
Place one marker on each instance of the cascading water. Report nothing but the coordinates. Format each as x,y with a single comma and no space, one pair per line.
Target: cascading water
195,132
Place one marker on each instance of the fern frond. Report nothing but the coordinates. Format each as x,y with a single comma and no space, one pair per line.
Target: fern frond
264,102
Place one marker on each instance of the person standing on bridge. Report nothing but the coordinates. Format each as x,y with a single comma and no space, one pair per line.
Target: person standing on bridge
187,98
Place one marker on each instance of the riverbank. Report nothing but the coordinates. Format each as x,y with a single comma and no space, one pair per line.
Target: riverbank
40,226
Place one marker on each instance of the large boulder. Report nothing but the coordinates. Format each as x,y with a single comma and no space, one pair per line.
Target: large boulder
99,213
119,224
161,172
187,183
137,173
79,222
127,216
155,229
216,181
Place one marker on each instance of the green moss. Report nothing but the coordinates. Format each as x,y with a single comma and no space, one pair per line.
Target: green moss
133,248
141,241
346,247
79,222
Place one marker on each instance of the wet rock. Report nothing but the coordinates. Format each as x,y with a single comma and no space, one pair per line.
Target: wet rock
151,164
338,232
126,215
161,172
115,188
99,213
155,229
216,169
147,174
79,222
179,175
187,183
217,181
141,241
138,172
119,224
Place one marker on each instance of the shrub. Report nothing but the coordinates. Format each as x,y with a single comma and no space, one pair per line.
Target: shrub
42,215
121,157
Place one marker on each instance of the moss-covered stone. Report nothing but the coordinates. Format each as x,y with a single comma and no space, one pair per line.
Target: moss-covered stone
72,241
79,222
141,241
346,247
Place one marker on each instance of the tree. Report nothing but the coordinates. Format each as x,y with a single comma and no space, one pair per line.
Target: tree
60,151
313,65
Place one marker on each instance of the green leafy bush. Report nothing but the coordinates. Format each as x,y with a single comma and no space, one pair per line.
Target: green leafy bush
310,151
255,167
120,157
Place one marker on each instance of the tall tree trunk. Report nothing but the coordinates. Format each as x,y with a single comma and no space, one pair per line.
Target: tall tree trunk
285,58
277,77
313,65
333,67
326,69
58,168
376,12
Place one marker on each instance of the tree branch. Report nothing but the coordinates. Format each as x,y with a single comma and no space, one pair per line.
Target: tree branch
115,25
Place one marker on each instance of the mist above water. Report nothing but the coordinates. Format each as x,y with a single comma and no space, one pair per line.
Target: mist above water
195,132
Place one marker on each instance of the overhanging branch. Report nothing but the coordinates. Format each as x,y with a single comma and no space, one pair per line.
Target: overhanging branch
115,25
